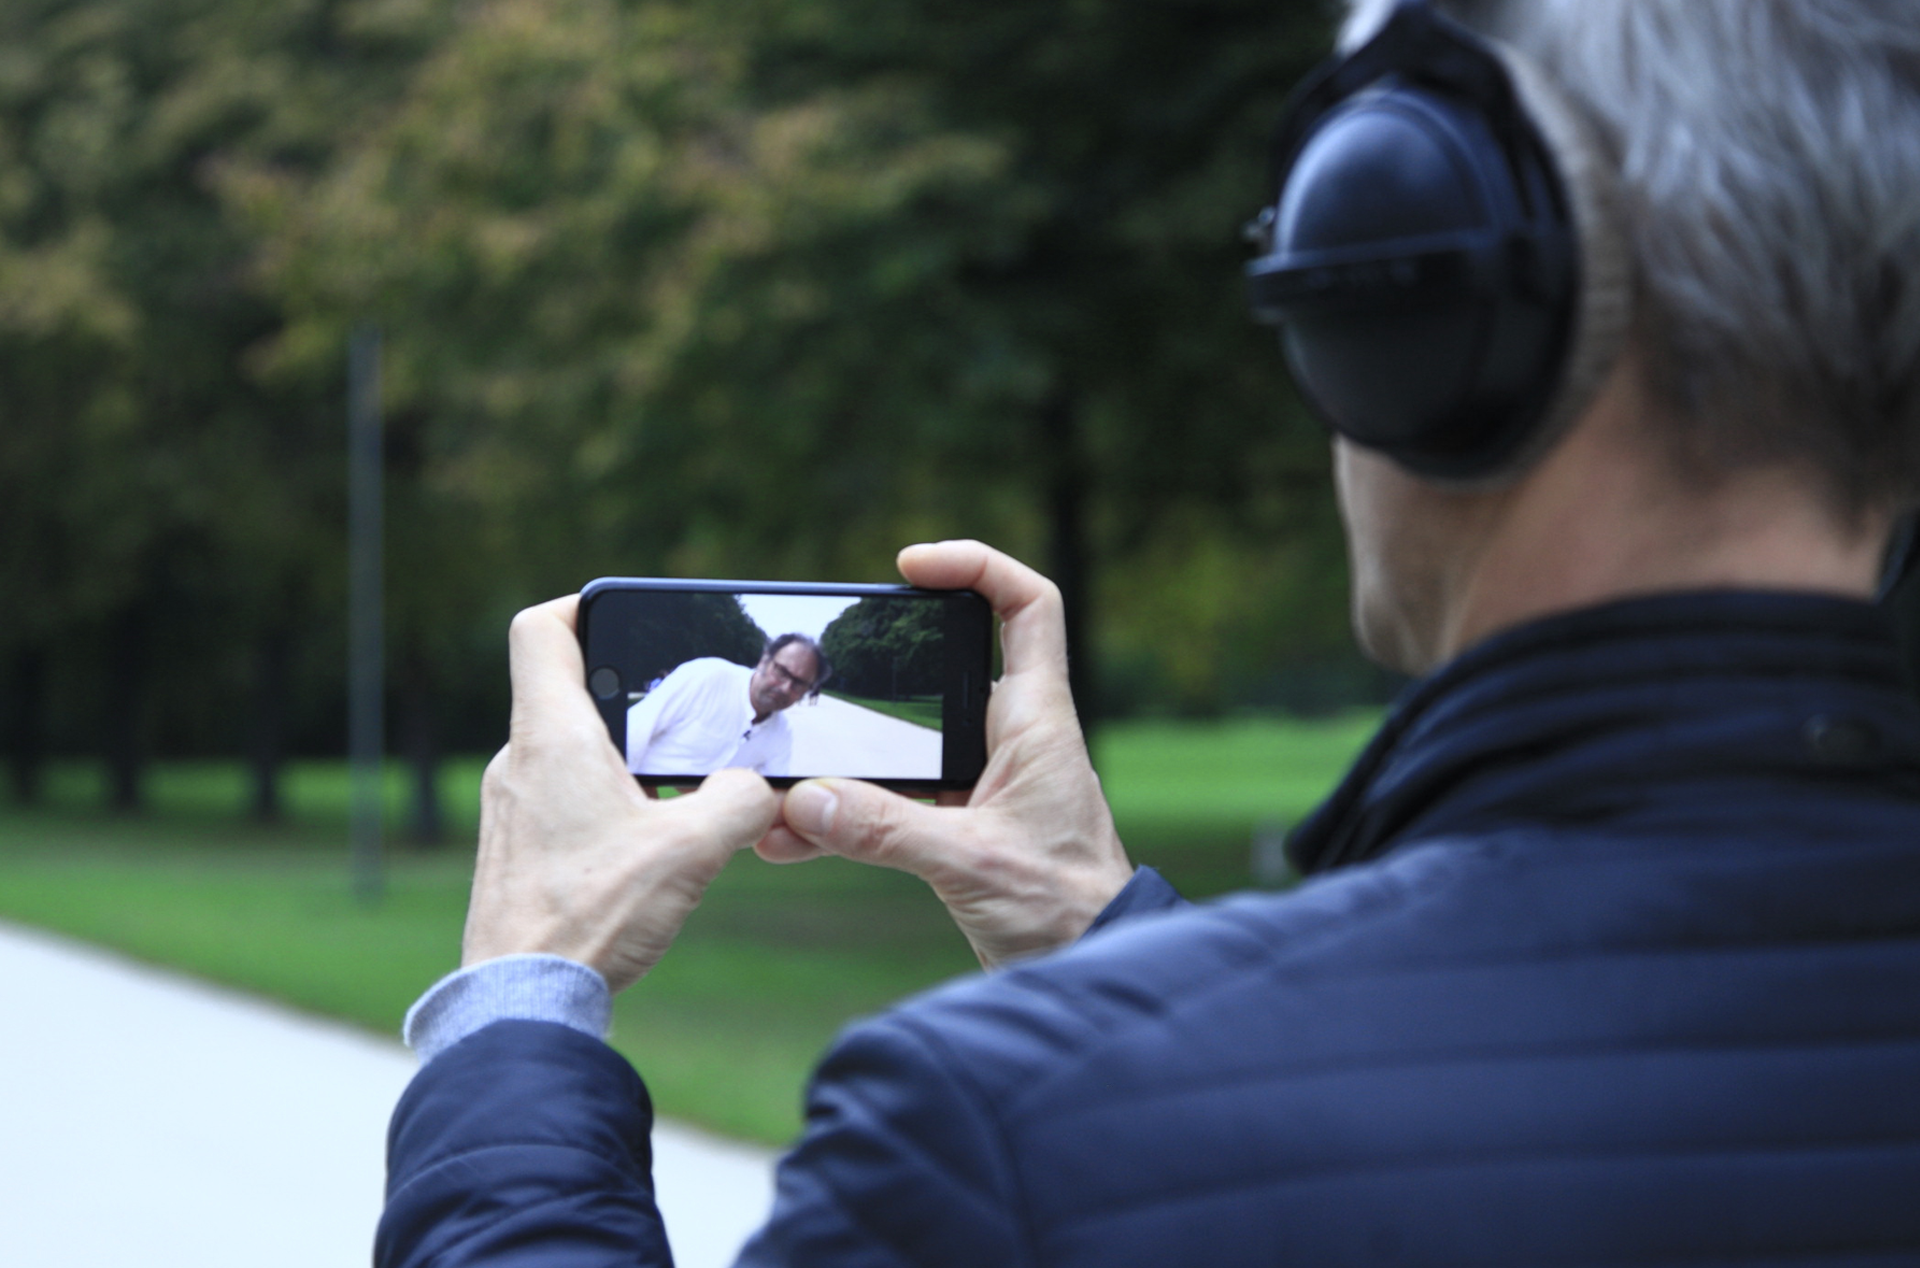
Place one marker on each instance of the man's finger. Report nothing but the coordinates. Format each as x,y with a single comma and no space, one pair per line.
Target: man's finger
859,821
549,677
783,845
1034,636
734,808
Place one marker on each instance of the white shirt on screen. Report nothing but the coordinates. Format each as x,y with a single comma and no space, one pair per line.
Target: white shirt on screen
699,720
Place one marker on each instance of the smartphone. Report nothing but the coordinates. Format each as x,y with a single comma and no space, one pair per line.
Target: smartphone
792,679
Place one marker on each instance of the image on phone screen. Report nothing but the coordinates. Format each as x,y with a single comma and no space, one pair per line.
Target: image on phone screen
879,683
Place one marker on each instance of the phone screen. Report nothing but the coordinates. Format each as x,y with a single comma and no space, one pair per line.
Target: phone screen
793,680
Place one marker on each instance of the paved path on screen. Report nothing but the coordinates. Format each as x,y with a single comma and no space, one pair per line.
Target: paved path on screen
832,736
150,1119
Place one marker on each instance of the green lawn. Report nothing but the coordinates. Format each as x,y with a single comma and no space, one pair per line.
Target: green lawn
774,962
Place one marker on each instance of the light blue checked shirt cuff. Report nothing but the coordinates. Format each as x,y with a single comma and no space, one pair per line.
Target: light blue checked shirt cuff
511,988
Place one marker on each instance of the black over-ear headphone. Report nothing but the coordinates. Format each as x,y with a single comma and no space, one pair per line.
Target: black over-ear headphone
1441,259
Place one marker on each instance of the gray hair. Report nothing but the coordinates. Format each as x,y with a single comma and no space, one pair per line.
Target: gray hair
1768,154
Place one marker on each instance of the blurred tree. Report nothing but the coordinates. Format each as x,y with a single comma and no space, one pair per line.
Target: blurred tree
109,427
297,83
737,287
157,491
753,284
1067,318
488,220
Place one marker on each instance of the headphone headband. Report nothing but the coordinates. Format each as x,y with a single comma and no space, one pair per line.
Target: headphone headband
1422,49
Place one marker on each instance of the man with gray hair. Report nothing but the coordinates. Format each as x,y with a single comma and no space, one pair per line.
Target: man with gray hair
1609,947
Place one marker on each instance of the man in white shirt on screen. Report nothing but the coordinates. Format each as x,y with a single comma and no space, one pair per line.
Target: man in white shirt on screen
711,713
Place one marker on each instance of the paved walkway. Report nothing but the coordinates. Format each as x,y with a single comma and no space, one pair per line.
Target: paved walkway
150,1119
833,737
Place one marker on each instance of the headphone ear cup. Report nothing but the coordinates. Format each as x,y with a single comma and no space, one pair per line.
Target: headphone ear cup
1445,258
1398,370
1446,377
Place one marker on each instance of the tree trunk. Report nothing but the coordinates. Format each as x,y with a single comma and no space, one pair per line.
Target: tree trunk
421,738
266,737
124,717
1067,545
27,723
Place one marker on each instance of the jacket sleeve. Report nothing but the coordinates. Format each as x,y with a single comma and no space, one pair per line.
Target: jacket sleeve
904,1160
525,1143
901,1163
1145,893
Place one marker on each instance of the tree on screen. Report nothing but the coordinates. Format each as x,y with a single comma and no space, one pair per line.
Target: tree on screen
667,630
886,648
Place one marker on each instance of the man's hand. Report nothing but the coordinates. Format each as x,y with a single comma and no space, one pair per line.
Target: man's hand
1032,857
574,859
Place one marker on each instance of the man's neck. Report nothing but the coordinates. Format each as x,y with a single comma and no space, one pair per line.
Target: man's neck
1599,522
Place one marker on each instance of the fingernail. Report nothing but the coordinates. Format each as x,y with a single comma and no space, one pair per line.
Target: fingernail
810,809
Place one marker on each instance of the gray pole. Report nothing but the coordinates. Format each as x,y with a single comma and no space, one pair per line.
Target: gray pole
366,632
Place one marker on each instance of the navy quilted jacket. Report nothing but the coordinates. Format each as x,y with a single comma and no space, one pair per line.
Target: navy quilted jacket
1611,955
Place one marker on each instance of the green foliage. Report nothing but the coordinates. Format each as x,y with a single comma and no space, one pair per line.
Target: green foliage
768,288
739,287
1064,323
163,508
888,648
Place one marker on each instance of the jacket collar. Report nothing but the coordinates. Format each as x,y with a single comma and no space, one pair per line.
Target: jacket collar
1607,711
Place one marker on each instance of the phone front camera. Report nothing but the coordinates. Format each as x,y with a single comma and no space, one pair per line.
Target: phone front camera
604,682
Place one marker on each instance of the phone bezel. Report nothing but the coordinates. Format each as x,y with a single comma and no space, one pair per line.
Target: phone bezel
969,672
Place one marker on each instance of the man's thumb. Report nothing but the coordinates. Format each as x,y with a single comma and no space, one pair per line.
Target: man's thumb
737,803
858,821
811,809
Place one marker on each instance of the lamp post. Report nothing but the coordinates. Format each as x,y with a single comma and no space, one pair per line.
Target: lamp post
366,627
